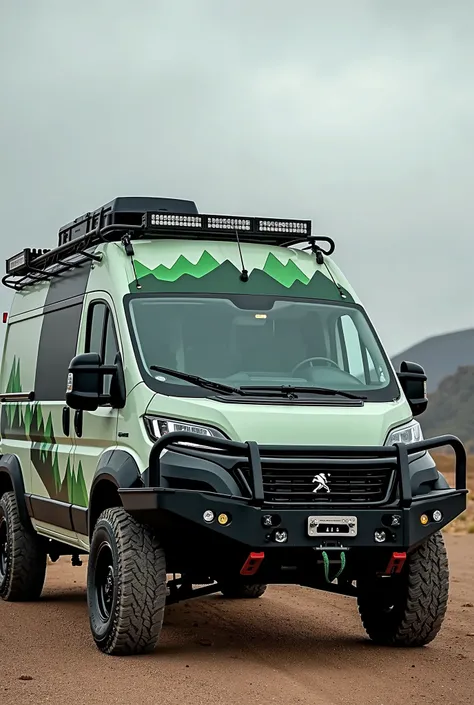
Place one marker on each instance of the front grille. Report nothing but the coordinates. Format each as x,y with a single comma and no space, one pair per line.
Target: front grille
346,485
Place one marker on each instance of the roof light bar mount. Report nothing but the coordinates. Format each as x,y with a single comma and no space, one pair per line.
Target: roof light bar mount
134,218
317,250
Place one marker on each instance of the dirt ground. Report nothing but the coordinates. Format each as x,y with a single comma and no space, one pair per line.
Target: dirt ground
291,646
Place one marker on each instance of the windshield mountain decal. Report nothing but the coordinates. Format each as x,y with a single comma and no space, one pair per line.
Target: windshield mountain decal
207,276
203,266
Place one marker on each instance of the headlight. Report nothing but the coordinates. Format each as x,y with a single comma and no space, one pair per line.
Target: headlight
158,427
409,433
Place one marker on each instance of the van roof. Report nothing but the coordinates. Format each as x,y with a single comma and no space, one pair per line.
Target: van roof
134,217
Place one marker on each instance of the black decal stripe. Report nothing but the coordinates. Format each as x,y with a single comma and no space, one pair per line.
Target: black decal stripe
59,332
50,511
79,520
69,285
57,347
64,304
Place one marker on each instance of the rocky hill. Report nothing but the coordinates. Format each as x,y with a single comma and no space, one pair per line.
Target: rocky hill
451,407
441,355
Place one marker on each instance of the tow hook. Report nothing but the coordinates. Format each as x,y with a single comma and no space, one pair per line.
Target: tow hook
395,564
252,564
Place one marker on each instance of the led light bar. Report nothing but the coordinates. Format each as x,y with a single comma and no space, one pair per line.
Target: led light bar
176,220
20,264
222,223
284,226
226,223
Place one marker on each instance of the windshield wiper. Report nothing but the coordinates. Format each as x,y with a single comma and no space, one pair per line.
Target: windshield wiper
265,390
287,388
199,381
226,388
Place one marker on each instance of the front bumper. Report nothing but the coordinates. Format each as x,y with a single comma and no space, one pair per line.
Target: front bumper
180,512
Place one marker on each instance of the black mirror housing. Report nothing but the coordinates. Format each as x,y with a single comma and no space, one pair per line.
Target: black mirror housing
412,379
86,383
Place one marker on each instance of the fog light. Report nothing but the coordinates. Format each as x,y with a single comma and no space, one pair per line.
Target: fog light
281,536
437,515
208,516
380,536
223,519
424,519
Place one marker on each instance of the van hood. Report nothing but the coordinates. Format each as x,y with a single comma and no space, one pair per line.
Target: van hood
288,424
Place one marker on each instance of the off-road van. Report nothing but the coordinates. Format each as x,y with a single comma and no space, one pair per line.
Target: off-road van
200,404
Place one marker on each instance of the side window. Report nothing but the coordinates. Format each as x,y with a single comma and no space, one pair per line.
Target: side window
101,336
110,344
95,329
349,348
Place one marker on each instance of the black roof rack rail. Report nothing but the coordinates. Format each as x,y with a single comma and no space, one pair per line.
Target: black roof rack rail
152,218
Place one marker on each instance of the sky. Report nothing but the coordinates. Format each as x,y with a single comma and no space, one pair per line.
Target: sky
357,114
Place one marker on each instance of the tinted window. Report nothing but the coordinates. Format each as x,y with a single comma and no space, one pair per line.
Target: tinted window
101,337
95,333
57,347
353,355
110,348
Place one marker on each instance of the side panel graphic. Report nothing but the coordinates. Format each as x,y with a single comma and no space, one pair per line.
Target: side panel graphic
30,424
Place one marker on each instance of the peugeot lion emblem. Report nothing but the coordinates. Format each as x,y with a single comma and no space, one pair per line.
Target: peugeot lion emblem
322,481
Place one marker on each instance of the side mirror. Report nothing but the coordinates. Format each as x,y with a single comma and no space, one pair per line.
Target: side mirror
413,382
85,386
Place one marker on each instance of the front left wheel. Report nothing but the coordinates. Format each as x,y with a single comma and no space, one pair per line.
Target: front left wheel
126,585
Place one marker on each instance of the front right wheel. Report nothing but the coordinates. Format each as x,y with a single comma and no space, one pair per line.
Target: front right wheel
126,585
408,609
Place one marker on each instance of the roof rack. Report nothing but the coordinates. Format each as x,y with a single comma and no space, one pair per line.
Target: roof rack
133,218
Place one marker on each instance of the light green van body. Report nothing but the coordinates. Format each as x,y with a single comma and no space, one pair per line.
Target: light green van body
72,461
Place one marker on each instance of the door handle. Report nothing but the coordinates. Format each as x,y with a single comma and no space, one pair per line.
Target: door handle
78,416
66,421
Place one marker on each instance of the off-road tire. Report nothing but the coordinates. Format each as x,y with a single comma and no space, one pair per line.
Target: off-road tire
241,591
419,598
24,564
133,622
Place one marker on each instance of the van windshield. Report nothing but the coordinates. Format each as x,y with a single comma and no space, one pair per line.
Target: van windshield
258,340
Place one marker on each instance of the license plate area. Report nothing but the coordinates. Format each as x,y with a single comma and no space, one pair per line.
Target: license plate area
332,526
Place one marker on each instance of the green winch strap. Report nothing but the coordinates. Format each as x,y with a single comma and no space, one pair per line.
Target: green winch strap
326,566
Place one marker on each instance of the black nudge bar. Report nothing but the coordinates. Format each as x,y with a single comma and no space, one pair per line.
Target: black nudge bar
396,455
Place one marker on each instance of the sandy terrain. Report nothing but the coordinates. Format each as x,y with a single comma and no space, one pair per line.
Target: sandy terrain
291,646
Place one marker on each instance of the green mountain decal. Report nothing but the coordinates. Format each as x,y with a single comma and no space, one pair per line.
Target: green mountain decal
203,266
27,422
76,485
275,279
286,274
14,380
13,387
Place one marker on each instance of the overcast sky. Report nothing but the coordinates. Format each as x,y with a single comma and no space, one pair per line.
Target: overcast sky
358,114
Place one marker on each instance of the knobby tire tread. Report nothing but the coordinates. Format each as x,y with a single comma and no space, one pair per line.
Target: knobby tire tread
141,589
26,570
421,608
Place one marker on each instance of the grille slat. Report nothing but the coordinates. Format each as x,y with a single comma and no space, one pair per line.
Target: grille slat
294,484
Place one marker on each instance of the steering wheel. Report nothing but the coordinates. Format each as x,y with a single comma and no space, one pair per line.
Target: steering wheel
312,359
